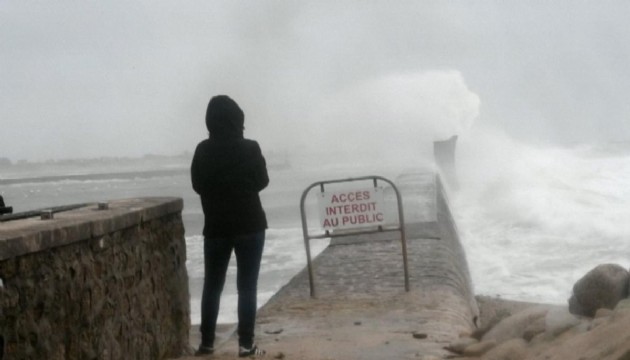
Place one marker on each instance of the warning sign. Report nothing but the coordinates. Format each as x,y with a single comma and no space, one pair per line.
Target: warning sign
351,208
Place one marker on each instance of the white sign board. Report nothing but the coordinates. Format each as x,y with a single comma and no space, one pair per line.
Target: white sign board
351,208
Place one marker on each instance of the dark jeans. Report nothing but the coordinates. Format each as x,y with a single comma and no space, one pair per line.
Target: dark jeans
217,251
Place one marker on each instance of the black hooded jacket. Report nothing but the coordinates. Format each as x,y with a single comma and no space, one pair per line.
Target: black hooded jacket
228,172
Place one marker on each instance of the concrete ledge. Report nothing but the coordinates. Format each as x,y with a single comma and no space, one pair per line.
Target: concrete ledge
19,237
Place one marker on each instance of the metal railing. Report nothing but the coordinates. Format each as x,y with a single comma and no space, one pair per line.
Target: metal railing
45,213
327,234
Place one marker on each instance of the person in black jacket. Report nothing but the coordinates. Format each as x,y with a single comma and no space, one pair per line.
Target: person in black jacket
228,171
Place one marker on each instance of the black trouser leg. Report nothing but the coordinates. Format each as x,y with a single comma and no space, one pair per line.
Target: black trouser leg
217,254
248,250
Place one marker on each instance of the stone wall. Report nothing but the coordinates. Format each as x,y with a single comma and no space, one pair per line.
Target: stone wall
459,274
96,284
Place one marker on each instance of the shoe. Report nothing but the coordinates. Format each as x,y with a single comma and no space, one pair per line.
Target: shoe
253,351
204,350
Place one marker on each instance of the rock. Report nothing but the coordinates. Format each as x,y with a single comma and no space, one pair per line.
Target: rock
514,326
460,345
537,327
480,332
492,315
418,335
428,357
623,305
515,349
602,287
559,320
480,348
538,339
603,312
597,322
610,341
575,307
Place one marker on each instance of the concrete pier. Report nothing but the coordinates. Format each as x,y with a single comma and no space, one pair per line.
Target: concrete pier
362,310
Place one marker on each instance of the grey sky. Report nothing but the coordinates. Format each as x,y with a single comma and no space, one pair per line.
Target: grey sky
126,78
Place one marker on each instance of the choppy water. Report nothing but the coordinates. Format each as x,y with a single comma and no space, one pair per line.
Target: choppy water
533,220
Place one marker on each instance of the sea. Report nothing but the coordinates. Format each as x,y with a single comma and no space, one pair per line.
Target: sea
533,219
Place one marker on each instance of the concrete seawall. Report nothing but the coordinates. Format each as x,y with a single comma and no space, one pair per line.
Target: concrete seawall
362,310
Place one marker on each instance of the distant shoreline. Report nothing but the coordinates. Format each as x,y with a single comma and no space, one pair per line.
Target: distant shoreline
97,176
107,168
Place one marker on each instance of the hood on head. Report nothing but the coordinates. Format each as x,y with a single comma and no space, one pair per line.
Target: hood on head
224,118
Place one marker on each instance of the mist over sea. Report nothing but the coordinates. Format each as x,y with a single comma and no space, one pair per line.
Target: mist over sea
533,219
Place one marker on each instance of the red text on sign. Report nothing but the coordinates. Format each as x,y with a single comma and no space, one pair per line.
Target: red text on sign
350,197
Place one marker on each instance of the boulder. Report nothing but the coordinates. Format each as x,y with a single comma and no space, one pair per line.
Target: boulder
559,320
480,348
609,341
538,326
515,326
602,287
623,305
603,312
515,349
461,344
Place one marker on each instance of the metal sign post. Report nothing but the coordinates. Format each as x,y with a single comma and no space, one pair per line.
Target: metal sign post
354,211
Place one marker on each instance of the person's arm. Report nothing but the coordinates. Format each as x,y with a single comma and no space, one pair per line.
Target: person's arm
262,177
195,174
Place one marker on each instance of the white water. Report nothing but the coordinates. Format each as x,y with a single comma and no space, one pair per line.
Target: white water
534,220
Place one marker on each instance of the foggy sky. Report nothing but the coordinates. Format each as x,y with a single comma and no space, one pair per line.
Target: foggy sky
126,78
